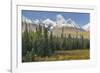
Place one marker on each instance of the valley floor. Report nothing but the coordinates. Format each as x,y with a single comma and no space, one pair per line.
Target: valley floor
66,55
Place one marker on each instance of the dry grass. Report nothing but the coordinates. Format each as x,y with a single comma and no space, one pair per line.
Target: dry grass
66,55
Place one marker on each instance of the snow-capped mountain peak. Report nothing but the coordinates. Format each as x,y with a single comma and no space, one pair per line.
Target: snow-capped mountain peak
71,23
67,23
86,27
48,23
36,21
25,19
60,20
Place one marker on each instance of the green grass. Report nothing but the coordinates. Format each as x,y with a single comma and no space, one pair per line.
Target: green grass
66,55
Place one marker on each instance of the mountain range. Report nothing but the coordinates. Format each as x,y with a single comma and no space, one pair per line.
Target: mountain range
60,22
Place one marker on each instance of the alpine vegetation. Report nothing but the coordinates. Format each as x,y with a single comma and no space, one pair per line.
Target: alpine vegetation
54,40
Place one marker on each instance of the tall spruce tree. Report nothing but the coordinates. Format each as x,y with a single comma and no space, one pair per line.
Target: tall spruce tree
26,45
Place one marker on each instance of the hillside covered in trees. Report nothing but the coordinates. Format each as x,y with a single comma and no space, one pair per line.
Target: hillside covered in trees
41,44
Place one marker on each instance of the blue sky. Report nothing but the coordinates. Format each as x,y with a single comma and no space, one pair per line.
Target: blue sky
79,18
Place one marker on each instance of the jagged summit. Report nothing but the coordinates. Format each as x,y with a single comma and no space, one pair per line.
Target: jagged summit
59,22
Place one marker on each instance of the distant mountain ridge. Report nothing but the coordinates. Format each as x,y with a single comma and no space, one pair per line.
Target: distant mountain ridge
60,22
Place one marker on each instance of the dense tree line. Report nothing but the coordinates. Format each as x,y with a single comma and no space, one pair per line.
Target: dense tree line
43,43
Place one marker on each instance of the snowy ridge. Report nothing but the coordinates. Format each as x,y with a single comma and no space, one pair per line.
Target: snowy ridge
48,23
60,22
86,27
25,19
36,21
71,23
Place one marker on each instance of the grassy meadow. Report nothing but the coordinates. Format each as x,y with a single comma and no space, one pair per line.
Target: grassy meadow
65,55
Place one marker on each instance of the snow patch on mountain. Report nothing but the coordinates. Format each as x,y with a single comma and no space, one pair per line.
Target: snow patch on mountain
86,27
67,23
60,21
71,23
49,23
25,19
36,21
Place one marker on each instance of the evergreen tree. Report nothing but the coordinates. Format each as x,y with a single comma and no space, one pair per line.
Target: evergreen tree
26,44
